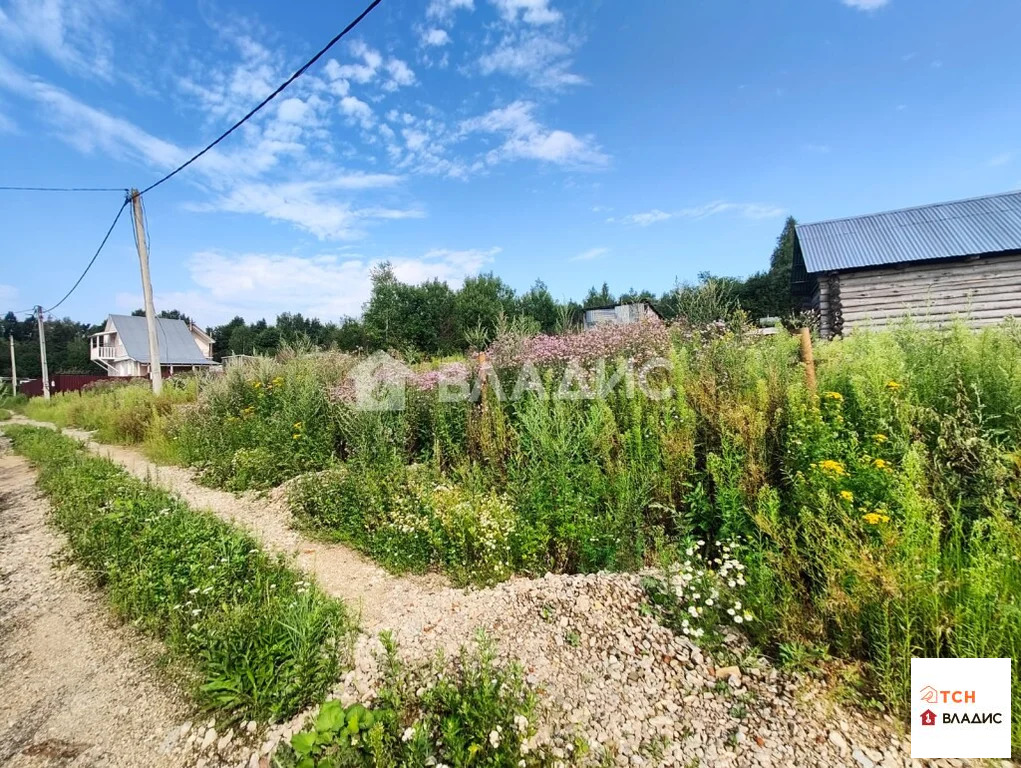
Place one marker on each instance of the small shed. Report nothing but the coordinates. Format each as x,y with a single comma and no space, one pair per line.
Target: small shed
959,259
619,314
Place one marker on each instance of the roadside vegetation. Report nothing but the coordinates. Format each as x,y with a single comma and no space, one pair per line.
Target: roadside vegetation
469,712
118,412
868,521
260,641
10,402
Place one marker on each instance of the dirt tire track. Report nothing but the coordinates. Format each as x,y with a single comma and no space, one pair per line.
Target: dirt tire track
76,687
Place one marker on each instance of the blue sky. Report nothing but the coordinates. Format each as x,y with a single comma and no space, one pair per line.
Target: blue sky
576,142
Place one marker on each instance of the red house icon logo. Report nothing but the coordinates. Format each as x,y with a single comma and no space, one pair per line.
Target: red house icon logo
928,717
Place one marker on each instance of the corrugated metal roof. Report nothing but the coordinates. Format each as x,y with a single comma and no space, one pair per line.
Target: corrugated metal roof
176,345
980,225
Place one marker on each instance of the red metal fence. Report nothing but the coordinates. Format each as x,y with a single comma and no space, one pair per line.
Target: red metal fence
64,382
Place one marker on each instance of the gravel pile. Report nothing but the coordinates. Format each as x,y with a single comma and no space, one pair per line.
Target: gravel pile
610,674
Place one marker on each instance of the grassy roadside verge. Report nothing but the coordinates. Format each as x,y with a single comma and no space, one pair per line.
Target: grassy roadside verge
263,643
117,412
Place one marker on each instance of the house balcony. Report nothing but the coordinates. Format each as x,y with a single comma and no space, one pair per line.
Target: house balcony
102,352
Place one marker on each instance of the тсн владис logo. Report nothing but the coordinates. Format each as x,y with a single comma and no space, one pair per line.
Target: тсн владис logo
960,708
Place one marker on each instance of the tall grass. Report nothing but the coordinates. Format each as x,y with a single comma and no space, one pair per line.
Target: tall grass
117,412
258,424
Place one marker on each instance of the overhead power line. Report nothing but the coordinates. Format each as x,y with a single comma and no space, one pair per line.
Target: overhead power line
300,71
63,189
93,259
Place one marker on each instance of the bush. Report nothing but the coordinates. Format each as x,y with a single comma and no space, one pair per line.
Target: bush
4,414
476,714
263,642
259,424
474,533
405,519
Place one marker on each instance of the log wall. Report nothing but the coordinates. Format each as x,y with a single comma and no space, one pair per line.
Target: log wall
979,291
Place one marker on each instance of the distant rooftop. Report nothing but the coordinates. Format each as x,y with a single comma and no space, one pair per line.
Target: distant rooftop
175,342
976,226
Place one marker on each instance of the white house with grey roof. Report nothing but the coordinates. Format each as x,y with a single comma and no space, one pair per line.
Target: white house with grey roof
938,263
122,347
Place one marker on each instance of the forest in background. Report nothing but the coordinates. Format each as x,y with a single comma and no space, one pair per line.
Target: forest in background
428,319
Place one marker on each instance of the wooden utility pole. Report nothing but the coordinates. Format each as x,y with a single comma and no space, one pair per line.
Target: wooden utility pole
155,373
42,352
14,367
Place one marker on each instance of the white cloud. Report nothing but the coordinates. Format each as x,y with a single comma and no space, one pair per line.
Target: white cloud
88,129
435,37
414,139
312,206
371,64
74,33
292,110
400,75
590,254
648,217
538,58
362,72
531,11
745,210
229,89
450,266
328,286
1001,159
444,10
423,145
526,138
247,175
358,110
865,5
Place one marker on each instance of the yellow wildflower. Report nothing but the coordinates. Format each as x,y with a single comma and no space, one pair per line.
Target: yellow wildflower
875,518
881,464
256,384
879,437
831,467
297,437
847,496
833,396
892,385
297,424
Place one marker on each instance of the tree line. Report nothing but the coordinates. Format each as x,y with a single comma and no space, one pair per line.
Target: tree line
431,318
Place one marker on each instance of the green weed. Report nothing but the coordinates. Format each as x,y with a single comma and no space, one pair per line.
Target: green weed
469,713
